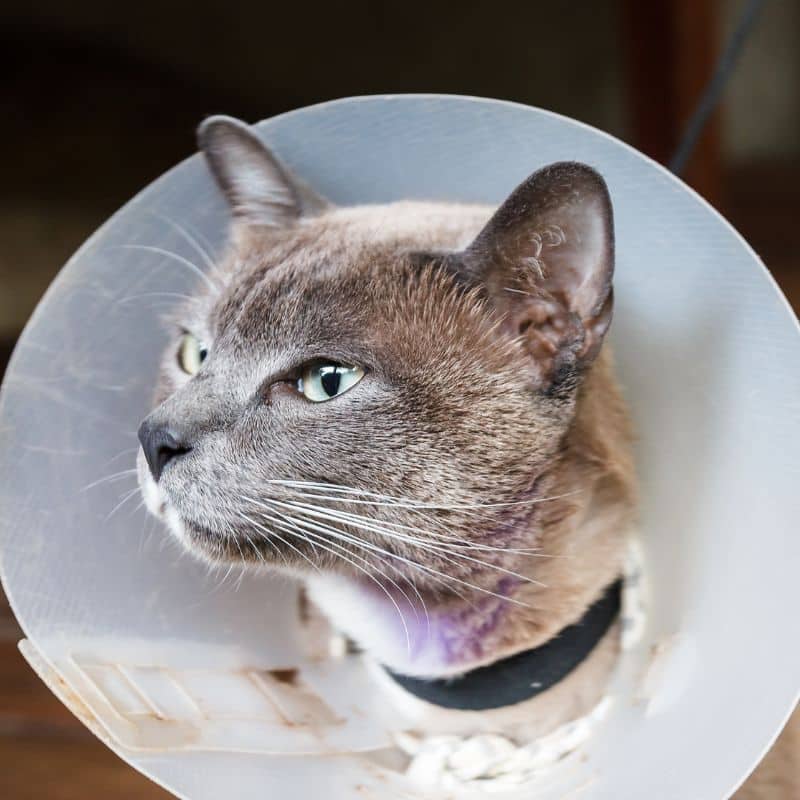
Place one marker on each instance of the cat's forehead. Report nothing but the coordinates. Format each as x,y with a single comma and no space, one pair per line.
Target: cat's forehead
335,269
426,224
343,238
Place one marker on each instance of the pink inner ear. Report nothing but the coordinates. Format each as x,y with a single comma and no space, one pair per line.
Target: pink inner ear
575,256
567,309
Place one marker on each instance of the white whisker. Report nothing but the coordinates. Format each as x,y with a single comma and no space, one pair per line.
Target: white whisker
117,476
368,575
266,533
226,575
445,539
127,451
375,548
253,547
178,258
404,502
118,506
290,521
199,249
150,295
322,513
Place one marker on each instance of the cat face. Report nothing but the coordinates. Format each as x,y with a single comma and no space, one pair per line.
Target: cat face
379,391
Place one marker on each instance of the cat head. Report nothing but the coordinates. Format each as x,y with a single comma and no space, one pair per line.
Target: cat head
377,391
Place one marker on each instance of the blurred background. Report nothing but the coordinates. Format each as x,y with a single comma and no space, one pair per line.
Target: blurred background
99,99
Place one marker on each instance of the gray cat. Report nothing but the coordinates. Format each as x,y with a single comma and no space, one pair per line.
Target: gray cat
408,406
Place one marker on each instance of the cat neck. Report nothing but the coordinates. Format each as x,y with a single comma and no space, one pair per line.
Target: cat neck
453,641
423,635
414,637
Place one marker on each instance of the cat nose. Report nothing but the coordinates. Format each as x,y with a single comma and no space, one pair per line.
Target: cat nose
160,444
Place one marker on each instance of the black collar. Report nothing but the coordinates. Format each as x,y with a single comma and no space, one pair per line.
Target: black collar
523,675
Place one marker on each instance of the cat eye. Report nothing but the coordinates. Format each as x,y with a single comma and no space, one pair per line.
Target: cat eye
324,381
191,354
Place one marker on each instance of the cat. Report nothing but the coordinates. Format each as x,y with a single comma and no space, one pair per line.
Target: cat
409,406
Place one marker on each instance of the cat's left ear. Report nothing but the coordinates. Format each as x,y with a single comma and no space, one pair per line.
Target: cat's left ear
546,262
260,189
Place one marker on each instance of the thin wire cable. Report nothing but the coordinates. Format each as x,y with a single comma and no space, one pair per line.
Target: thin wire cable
712,94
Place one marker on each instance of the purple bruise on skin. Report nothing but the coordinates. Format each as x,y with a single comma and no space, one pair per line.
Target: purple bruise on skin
446,637
461,633
457,633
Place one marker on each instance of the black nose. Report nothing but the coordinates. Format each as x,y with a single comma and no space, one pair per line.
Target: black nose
160,444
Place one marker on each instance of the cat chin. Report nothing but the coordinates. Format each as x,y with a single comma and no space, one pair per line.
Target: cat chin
198,542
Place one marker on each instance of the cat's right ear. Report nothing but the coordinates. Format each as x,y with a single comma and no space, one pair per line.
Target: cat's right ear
261,191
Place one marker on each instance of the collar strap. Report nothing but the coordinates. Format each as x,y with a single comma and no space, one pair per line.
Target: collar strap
523,675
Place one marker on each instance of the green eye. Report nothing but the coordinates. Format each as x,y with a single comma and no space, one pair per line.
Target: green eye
191,354
322,382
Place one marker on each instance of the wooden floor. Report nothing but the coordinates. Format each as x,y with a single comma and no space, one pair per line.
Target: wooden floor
46,754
